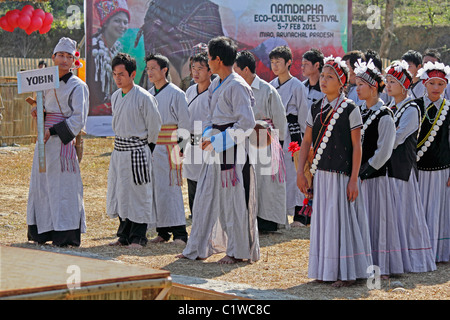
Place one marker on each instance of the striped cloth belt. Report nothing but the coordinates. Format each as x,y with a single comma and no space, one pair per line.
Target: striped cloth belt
168,136
68,154
139,161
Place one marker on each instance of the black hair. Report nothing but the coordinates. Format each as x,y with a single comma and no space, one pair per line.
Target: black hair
42,63
163,61
283,52
432,53
246,59
353,57
124,58
372,54
314,55
223,47
202,58
413,56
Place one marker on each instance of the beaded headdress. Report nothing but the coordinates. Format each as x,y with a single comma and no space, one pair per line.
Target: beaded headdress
107,8
399,71
434,70
339,66
368,72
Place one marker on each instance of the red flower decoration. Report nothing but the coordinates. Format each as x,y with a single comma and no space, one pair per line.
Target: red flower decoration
293,147
77,55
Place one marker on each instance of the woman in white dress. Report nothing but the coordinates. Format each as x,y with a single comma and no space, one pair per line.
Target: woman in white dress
339,240
433,157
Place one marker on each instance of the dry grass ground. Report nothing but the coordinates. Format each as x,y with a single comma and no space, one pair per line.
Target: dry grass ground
284,256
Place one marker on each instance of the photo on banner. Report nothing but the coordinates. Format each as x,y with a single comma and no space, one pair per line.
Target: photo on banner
173,27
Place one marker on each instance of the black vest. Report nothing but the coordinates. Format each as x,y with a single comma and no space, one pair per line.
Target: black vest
337,156
370,140
404,158
437,157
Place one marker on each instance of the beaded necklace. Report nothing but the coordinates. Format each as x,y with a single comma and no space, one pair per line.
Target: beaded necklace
438,122
327,134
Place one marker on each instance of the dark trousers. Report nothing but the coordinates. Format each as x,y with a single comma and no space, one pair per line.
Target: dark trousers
178,232
58,238
246,182
192,189
266,225
131,232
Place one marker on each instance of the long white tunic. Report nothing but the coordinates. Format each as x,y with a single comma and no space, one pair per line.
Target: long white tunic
55,199
168,197
134,115
221,221
295,100
271,190
198,111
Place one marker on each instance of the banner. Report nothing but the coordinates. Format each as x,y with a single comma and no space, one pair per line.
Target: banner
173,27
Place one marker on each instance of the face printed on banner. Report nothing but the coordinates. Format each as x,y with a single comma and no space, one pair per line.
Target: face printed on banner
329,82
154,71
393,87
435,88
121,76
200,72
364,90
280,66
64,61
116,26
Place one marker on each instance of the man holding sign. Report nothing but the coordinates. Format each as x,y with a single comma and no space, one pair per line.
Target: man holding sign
55,210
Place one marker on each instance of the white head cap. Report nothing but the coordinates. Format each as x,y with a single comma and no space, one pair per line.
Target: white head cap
66,45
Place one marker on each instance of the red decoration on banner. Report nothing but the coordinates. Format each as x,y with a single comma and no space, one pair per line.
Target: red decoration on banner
28,19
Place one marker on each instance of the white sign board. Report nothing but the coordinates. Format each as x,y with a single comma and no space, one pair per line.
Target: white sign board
38,79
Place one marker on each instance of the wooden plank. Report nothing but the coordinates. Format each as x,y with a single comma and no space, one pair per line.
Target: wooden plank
25,271
183,292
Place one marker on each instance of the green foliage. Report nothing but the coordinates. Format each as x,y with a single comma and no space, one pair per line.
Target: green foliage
407,12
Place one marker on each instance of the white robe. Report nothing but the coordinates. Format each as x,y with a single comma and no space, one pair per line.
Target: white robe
271,192
168,197
198,112
295,100
221,221
134,115
55,199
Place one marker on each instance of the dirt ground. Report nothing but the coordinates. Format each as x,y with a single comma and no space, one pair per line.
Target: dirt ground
284,256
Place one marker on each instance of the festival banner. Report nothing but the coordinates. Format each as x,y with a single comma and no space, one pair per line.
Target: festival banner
173,27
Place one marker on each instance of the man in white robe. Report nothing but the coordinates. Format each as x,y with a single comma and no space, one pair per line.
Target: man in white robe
136,123
55,210
295,100
224,218
269,161
198,103
167,160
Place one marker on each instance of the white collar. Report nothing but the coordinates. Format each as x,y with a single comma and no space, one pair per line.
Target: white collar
256,82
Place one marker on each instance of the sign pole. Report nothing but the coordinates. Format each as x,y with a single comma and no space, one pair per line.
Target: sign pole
40,131
38,81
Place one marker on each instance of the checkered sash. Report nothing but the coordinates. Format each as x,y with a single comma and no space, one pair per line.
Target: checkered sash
139,161
68,154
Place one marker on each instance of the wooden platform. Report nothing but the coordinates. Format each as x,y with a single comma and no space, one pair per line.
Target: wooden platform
36,274
32,274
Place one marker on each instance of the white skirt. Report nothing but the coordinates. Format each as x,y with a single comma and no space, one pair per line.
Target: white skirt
399,237
436,201
339,236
